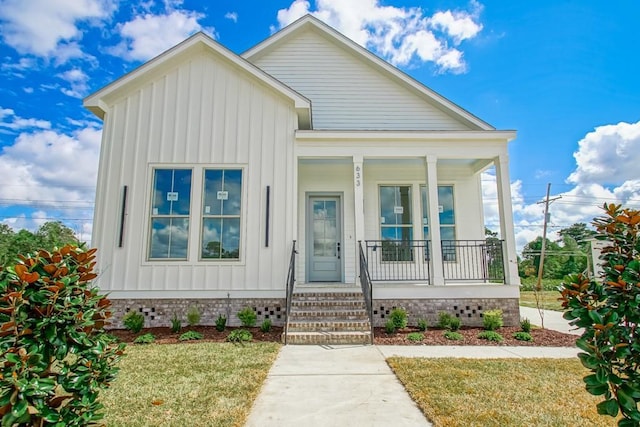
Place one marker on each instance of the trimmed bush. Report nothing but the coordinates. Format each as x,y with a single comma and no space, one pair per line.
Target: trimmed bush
190,336
455,336
492,319
523,336
399,317
390,327
133,321
444,320
266,325
422,324
247,317
221,323
240,336
176,324
490,336
56,356
415,336
455,323
193,316
145,339
525,325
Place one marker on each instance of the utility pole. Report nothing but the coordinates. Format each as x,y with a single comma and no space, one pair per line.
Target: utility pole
546,202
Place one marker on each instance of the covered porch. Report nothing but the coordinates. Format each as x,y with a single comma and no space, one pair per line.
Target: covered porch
407,203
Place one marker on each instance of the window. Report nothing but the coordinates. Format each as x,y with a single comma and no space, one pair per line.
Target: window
447,220
221,208
170,206
396,226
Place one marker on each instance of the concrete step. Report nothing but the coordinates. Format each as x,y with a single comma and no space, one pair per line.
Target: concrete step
328,314
328,304
329,338
329,326
327,296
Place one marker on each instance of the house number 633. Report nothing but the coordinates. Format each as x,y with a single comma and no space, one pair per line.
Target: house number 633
357,176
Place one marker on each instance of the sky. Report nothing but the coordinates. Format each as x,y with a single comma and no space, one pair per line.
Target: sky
563,74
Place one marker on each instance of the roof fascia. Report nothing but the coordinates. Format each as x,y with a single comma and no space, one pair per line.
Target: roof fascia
430,135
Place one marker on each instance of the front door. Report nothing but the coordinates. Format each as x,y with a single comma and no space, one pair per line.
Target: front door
324,239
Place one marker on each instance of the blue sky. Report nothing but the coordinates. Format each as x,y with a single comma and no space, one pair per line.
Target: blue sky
564,74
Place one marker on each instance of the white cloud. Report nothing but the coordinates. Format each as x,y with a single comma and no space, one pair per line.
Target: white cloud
399,34
232,16
9,121
146,36
48,28
77,80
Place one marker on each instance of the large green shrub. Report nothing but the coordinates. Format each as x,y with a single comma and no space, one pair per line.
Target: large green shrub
399,317
492,319
247,317
609,311
133,321
56,356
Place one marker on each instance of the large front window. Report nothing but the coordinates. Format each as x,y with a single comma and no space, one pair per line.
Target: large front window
447,220
170,208
396,225
221,208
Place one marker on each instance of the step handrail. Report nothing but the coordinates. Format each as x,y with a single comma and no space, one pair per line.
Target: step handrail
366,285
291,279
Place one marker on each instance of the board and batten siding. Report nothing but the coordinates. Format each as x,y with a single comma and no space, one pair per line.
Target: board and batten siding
202,113
346,92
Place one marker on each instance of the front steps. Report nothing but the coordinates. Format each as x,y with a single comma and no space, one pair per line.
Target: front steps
325,317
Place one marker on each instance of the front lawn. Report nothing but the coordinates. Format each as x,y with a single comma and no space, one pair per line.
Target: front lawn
500,392
548,300
200,384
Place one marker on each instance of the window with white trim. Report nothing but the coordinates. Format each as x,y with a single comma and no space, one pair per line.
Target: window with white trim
170,209
396,224
221,209
447,219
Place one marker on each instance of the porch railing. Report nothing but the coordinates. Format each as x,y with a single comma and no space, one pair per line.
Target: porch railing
398,260
291,280
473,260
365,284
410,260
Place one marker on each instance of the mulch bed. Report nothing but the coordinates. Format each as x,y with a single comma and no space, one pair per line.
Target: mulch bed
541,337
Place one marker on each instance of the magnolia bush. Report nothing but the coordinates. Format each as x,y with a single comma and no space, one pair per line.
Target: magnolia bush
608,308
56,356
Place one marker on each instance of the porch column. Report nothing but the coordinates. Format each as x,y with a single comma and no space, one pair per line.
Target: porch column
437,272
358,200
506,219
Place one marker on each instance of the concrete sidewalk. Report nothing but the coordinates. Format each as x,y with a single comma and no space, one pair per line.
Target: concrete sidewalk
552,320
353,385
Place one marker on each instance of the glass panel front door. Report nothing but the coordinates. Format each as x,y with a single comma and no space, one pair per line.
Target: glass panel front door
324,239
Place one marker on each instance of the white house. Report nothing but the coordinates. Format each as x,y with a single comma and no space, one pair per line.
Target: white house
212,165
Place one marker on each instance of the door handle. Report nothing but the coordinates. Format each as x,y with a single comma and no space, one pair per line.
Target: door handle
338,249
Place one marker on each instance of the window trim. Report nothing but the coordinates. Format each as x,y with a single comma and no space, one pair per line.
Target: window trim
410,226
425,210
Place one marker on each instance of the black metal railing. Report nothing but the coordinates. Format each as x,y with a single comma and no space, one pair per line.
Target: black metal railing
365,284
291,280
473,260
398,260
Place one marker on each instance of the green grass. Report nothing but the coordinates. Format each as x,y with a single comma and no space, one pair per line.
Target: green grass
200,384
500,392
548,300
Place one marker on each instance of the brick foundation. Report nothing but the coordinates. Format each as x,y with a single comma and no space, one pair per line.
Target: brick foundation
469,310
158,312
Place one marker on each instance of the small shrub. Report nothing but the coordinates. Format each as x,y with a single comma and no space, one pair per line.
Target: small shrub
455,336
176,324
193,316
422,325
525,325
239,335
455,323
247,317
523,336
145,339
444,320
133,321
190,336
390,327
490,336
399,317
492,319
266,325
415,336
221,323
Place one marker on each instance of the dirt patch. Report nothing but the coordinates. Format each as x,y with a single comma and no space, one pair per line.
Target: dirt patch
541,337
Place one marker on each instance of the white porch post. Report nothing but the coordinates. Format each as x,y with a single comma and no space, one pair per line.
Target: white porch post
358,200
437,272
506,219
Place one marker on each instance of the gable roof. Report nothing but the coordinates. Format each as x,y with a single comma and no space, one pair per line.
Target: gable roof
309,22
98,101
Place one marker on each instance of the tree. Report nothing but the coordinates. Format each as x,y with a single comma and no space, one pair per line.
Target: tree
552,262
579,233
50,235
6,238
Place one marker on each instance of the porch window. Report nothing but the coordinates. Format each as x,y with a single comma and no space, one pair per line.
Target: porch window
170,208
447,220
396,225
221,209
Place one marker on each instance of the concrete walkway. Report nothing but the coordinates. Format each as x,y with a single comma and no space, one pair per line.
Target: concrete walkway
552,320
353,385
